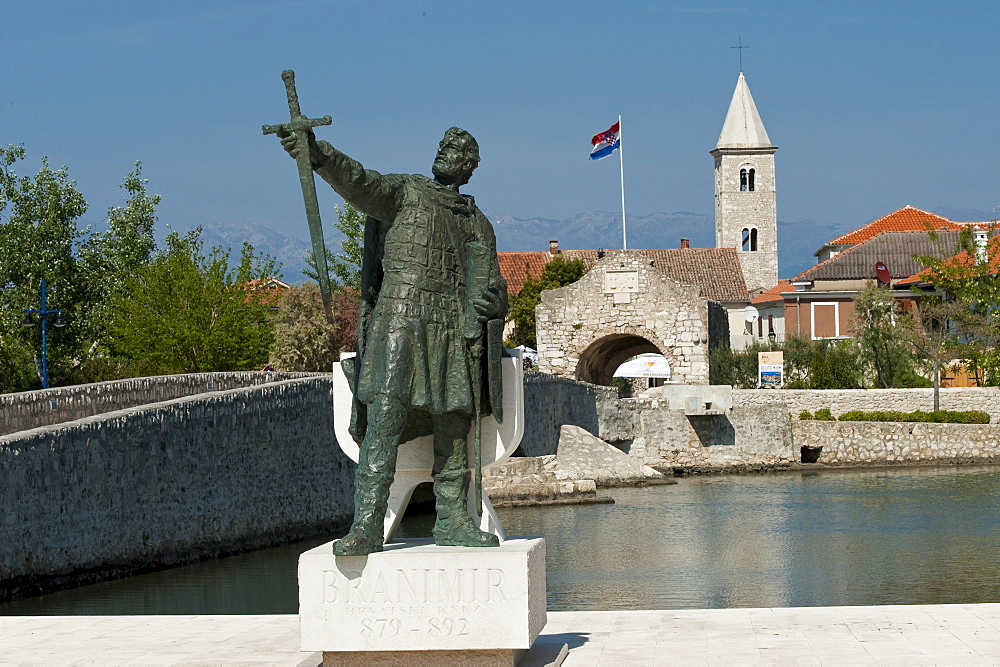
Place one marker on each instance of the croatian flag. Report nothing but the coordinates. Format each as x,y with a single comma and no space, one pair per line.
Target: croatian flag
605,143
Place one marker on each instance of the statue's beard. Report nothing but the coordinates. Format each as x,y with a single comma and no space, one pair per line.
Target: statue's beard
448,174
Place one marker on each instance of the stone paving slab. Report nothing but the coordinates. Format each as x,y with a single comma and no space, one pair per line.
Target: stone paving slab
883,635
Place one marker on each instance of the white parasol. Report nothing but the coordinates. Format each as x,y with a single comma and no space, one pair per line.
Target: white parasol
648,365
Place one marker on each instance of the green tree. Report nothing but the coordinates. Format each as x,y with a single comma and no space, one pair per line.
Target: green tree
808,364
834,365
345,267
557,273
38,236
969,274
188,312
303,340
884,355
933,335
108,261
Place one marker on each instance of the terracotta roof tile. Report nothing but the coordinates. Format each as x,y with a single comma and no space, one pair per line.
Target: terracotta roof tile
716,271
907,219
773,295
895,249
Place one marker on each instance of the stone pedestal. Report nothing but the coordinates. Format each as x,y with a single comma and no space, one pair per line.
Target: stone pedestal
418,603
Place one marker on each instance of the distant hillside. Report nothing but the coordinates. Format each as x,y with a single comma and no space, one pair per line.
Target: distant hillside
594,229
965,214
797,241
288,250
602,229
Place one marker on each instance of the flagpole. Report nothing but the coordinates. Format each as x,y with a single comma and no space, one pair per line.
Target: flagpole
621,163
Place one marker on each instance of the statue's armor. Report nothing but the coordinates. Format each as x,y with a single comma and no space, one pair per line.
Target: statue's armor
411,343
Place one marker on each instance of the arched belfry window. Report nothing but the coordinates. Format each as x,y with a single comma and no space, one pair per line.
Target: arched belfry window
743,181
750,179
749,239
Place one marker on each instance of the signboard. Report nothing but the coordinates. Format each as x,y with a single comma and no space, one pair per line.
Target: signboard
770,369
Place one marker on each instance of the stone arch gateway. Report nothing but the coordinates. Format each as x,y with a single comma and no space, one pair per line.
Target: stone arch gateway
597,363
625,306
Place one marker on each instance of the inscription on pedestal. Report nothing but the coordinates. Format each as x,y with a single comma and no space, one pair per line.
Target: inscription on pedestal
418,596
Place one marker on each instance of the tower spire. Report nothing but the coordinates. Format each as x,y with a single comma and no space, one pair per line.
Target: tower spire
743,127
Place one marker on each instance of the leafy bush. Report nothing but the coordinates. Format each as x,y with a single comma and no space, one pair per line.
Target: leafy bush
805,414
824,414
938,416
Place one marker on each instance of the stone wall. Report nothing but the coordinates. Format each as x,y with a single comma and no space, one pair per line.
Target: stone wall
762,431
166,483
649,430
887,443
223,471
840,401
30,409
551,401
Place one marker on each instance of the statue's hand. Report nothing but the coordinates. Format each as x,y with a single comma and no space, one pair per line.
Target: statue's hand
488,306
292,143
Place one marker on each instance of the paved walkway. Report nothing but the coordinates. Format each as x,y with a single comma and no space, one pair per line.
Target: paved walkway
886,635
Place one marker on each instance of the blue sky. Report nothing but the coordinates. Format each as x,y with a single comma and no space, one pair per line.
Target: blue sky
873,105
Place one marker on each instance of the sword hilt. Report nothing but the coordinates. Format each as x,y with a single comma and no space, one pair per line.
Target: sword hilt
288,76
298,122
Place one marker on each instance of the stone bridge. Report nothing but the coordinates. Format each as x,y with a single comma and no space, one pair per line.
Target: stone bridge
141,474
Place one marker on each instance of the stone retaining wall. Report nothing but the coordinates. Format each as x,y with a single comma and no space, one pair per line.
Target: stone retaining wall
762,431
551,401
171,482
876,443
840,401
30,409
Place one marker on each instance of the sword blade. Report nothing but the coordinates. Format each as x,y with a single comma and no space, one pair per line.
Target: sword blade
315,229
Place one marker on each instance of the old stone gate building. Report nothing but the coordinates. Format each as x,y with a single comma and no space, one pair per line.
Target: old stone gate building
625,306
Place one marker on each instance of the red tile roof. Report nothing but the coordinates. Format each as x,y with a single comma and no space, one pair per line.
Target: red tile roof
716,271
773,295
907,219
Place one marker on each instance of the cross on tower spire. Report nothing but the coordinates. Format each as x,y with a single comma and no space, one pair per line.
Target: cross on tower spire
740,47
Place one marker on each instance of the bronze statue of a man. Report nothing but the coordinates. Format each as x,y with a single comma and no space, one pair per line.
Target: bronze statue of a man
420,337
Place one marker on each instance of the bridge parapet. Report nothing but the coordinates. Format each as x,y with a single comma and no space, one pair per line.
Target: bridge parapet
26,410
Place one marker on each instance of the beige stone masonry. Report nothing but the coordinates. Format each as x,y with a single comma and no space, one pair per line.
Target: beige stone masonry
622,307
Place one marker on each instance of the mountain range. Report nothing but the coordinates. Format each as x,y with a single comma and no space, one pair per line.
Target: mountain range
797,240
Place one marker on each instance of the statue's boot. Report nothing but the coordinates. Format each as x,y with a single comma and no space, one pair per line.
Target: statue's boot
376,467
454,527
371,496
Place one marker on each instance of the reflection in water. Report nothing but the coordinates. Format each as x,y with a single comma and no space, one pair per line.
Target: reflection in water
918,535
849,537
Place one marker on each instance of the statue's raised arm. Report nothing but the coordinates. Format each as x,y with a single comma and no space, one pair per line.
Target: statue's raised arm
372,193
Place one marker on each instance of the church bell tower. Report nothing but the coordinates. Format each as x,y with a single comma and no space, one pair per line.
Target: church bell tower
746,212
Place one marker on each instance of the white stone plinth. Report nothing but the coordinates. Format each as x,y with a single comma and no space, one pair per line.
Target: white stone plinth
416,596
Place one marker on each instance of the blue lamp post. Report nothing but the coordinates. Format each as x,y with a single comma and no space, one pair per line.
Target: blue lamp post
43,315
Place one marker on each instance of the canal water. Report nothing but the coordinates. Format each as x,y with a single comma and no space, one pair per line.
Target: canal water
817,538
